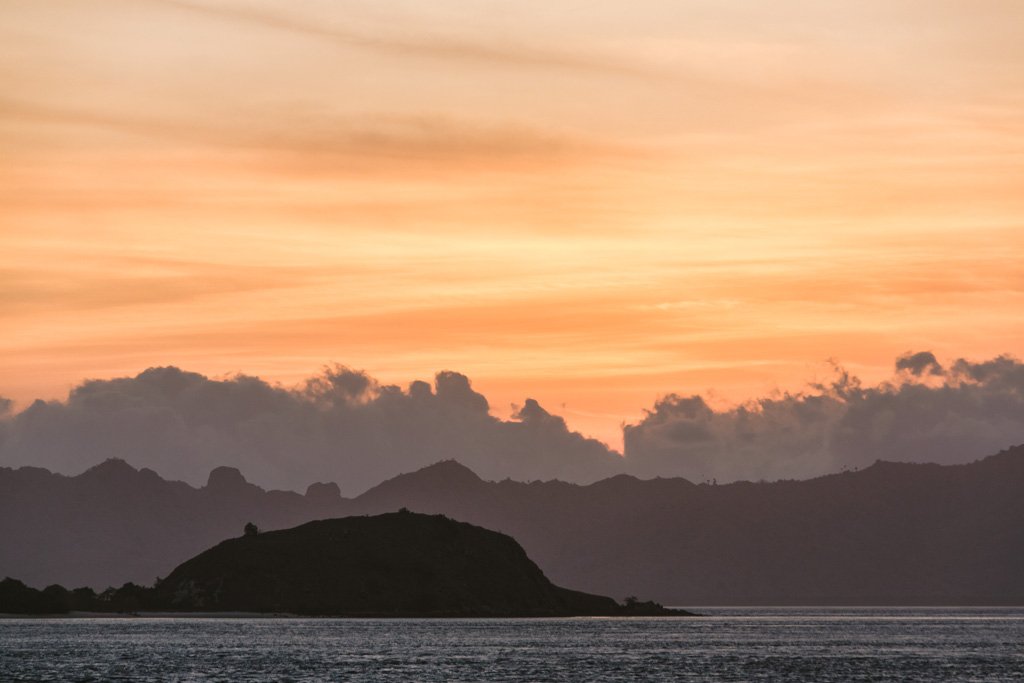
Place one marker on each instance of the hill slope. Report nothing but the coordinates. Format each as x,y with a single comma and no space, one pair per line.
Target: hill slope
398,564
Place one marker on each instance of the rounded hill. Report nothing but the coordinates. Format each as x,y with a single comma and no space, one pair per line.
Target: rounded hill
397,564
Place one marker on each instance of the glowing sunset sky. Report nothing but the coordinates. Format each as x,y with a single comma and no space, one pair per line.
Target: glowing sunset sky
588,203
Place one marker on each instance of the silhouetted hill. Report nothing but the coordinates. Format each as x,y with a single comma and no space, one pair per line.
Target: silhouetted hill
397,564
893,533
394,565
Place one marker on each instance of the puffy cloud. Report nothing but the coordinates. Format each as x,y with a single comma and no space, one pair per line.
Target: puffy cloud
344,426
339,426
454,389
546,441
917,364
924,414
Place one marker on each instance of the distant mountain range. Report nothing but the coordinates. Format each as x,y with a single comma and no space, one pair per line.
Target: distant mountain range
889,534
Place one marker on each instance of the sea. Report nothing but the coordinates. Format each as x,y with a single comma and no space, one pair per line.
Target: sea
725,644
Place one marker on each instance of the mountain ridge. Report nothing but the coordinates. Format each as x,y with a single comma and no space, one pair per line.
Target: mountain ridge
891,533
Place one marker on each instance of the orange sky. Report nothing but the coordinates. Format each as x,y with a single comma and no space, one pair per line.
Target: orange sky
591,204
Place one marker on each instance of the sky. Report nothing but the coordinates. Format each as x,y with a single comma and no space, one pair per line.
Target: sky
594,205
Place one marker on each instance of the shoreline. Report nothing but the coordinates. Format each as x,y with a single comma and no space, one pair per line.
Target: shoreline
288,615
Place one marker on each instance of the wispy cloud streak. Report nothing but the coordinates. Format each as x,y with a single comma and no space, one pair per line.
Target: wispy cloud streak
506,54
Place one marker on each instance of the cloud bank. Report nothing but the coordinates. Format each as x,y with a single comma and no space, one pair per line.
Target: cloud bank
925,413
344,426
340,426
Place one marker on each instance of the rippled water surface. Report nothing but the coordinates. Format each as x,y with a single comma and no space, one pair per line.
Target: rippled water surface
727,645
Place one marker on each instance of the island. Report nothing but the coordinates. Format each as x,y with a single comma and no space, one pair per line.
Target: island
400,564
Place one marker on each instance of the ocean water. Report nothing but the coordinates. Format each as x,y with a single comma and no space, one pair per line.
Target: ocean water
729,644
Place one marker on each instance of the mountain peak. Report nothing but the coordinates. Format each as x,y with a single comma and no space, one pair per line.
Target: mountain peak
323,492
444,475
448,469
110,469
223,478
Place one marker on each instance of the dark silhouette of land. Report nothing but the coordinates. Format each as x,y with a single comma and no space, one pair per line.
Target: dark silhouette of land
114,524
891,533
395,565
17,598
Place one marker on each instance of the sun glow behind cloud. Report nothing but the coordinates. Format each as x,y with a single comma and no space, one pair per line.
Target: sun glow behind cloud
592,205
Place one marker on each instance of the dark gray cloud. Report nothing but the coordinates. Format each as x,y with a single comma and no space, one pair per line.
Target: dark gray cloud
339,426
344,426
917,364
925,413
